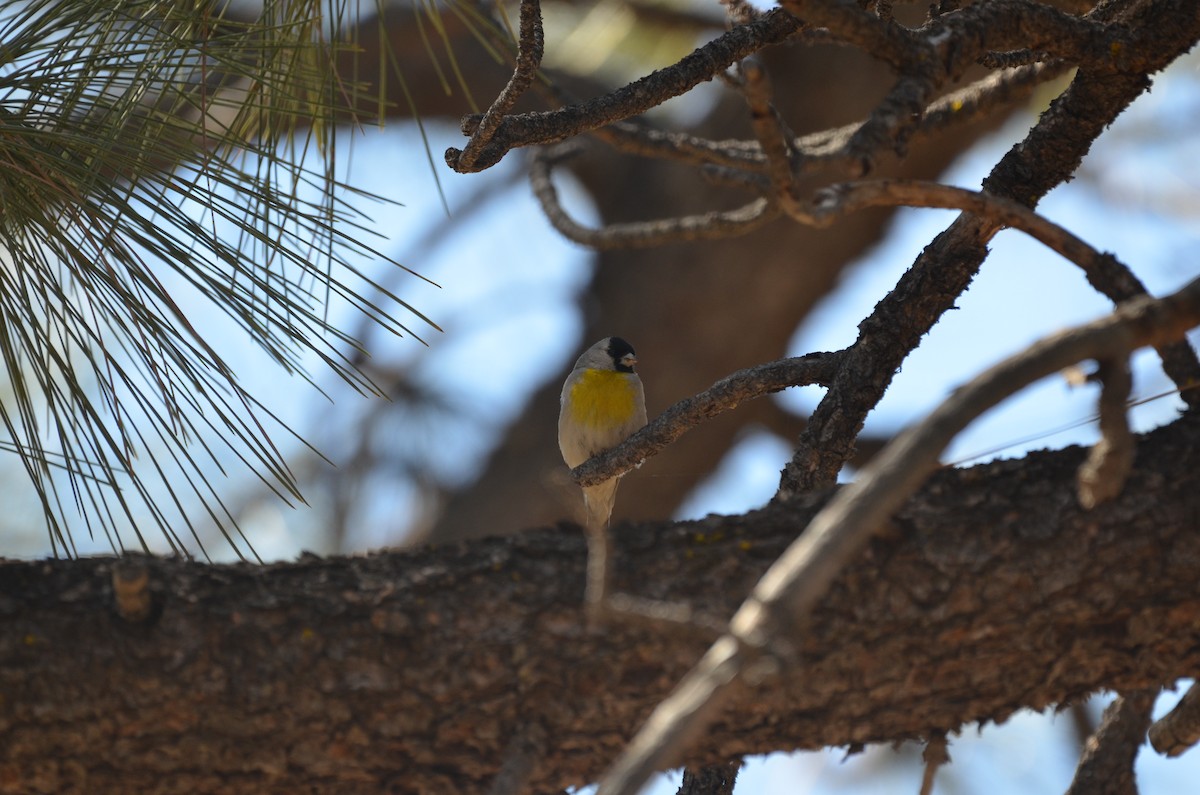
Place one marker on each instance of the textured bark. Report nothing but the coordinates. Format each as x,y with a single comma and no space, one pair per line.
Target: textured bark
422,671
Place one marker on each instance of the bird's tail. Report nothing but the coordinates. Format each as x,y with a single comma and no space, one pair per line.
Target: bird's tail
598,501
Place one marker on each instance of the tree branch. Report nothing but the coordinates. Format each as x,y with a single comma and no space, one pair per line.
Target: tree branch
410,672
927,59
710,780
1049,155
707,226
935,755
1103,475
1104,271
546,127
828,148
530,46
1106,767
1108,275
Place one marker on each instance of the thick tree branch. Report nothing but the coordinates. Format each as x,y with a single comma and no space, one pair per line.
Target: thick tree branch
411,672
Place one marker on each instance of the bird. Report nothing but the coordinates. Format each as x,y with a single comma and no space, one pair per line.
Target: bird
603,403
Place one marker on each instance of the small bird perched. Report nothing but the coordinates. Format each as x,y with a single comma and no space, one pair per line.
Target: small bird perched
602,405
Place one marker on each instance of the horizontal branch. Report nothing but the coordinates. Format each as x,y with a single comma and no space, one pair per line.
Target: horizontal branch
640,234
412,672
829,148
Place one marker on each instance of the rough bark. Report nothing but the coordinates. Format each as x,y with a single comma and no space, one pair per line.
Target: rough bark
420,672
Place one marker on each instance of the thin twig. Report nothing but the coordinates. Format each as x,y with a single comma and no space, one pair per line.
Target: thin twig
636,137
827,148
530,47
706,226
764,632
545,127
743,163
1108,275
1111,278
935,755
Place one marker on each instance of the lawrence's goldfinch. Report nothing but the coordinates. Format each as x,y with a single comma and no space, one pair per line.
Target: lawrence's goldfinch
602,405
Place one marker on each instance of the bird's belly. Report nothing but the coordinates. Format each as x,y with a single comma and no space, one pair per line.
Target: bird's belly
603,400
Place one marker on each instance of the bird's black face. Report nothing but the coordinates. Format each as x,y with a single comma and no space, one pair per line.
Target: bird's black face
622,355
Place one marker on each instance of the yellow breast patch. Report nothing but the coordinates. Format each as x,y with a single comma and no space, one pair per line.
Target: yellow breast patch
602,398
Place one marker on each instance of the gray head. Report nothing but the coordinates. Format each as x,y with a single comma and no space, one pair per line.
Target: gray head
610,353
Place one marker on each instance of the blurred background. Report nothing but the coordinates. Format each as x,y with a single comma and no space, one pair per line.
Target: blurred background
465,445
